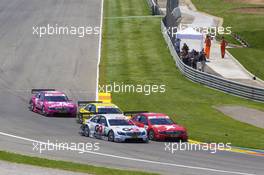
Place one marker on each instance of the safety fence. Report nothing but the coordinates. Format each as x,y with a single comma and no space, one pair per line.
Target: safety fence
228,86
154,7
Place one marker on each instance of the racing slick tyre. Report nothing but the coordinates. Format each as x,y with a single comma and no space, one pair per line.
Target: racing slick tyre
86,131
111,136
79,119
43,112
31,106
146,141
96,133
151,135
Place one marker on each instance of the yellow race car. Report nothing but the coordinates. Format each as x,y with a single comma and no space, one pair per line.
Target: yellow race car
87,109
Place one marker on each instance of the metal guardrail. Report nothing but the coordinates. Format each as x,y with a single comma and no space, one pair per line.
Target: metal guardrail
228,86
154,7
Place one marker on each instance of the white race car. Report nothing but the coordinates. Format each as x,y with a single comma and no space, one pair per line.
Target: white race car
114,127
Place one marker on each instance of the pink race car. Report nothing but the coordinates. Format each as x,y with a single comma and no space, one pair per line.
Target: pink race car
50,102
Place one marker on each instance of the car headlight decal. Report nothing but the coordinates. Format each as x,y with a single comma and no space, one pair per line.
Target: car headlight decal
143,133
121,133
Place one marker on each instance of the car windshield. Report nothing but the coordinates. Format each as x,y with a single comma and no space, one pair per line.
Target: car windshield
56,98
109,111
120,122
160,121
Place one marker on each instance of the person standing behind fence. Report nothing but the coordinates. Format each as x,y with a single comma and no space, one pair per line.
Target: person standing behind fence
202,59
178,46
224,43
195,59
185,48
207,46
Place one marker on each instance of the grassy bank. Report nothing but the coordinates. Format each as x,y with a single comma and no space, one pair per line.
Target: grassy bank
134,52
64,165
248,26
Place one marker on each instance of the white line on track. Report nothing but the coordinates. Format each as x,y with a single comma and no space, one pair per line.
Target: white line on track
99,47
132,159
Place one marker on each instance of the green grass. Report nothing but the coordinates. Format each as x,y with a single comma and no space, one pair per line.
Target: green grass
134,52
63,165
248,26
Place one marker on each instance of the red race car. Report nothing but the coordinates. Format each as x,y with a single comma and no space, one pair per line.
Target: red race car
160,127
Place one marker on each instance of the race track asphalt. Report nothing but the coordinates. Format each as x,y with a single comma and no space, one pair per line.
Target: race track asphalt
69,63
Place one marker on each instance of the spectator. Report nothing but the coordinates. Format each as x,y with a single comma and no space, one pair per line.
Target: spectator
202,59
185,57
185,48
178,46
195,59
185,54
207,46
192,53
223,47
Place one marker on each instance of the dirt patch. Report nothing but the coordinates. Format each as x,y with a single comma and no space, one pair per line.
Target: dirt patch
249,10
257,2
247,115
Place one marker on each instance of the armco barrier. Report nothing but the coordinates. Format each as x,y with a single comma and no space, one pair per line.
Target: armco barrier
228,86
154,7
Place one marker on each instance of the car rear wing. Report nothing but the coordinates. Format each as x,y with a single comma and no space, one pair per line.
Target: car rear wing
88,115
131,113
105,97
34,91
84,103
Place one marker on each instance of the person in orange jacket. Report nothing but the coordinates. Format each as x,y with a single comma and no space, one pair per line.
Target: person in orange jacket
207,46
224,43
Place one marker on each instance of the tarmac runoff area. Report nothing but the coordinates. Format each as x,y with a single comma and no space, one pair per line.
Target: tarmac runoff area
21,169
244,114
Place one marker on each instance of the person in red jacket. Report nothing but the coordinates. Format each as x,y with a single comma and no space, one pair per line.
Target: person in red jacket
207,46
224,43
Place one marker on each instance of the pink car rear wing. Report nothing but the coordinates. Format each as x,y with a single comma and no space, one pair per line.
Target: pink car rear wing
34,91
